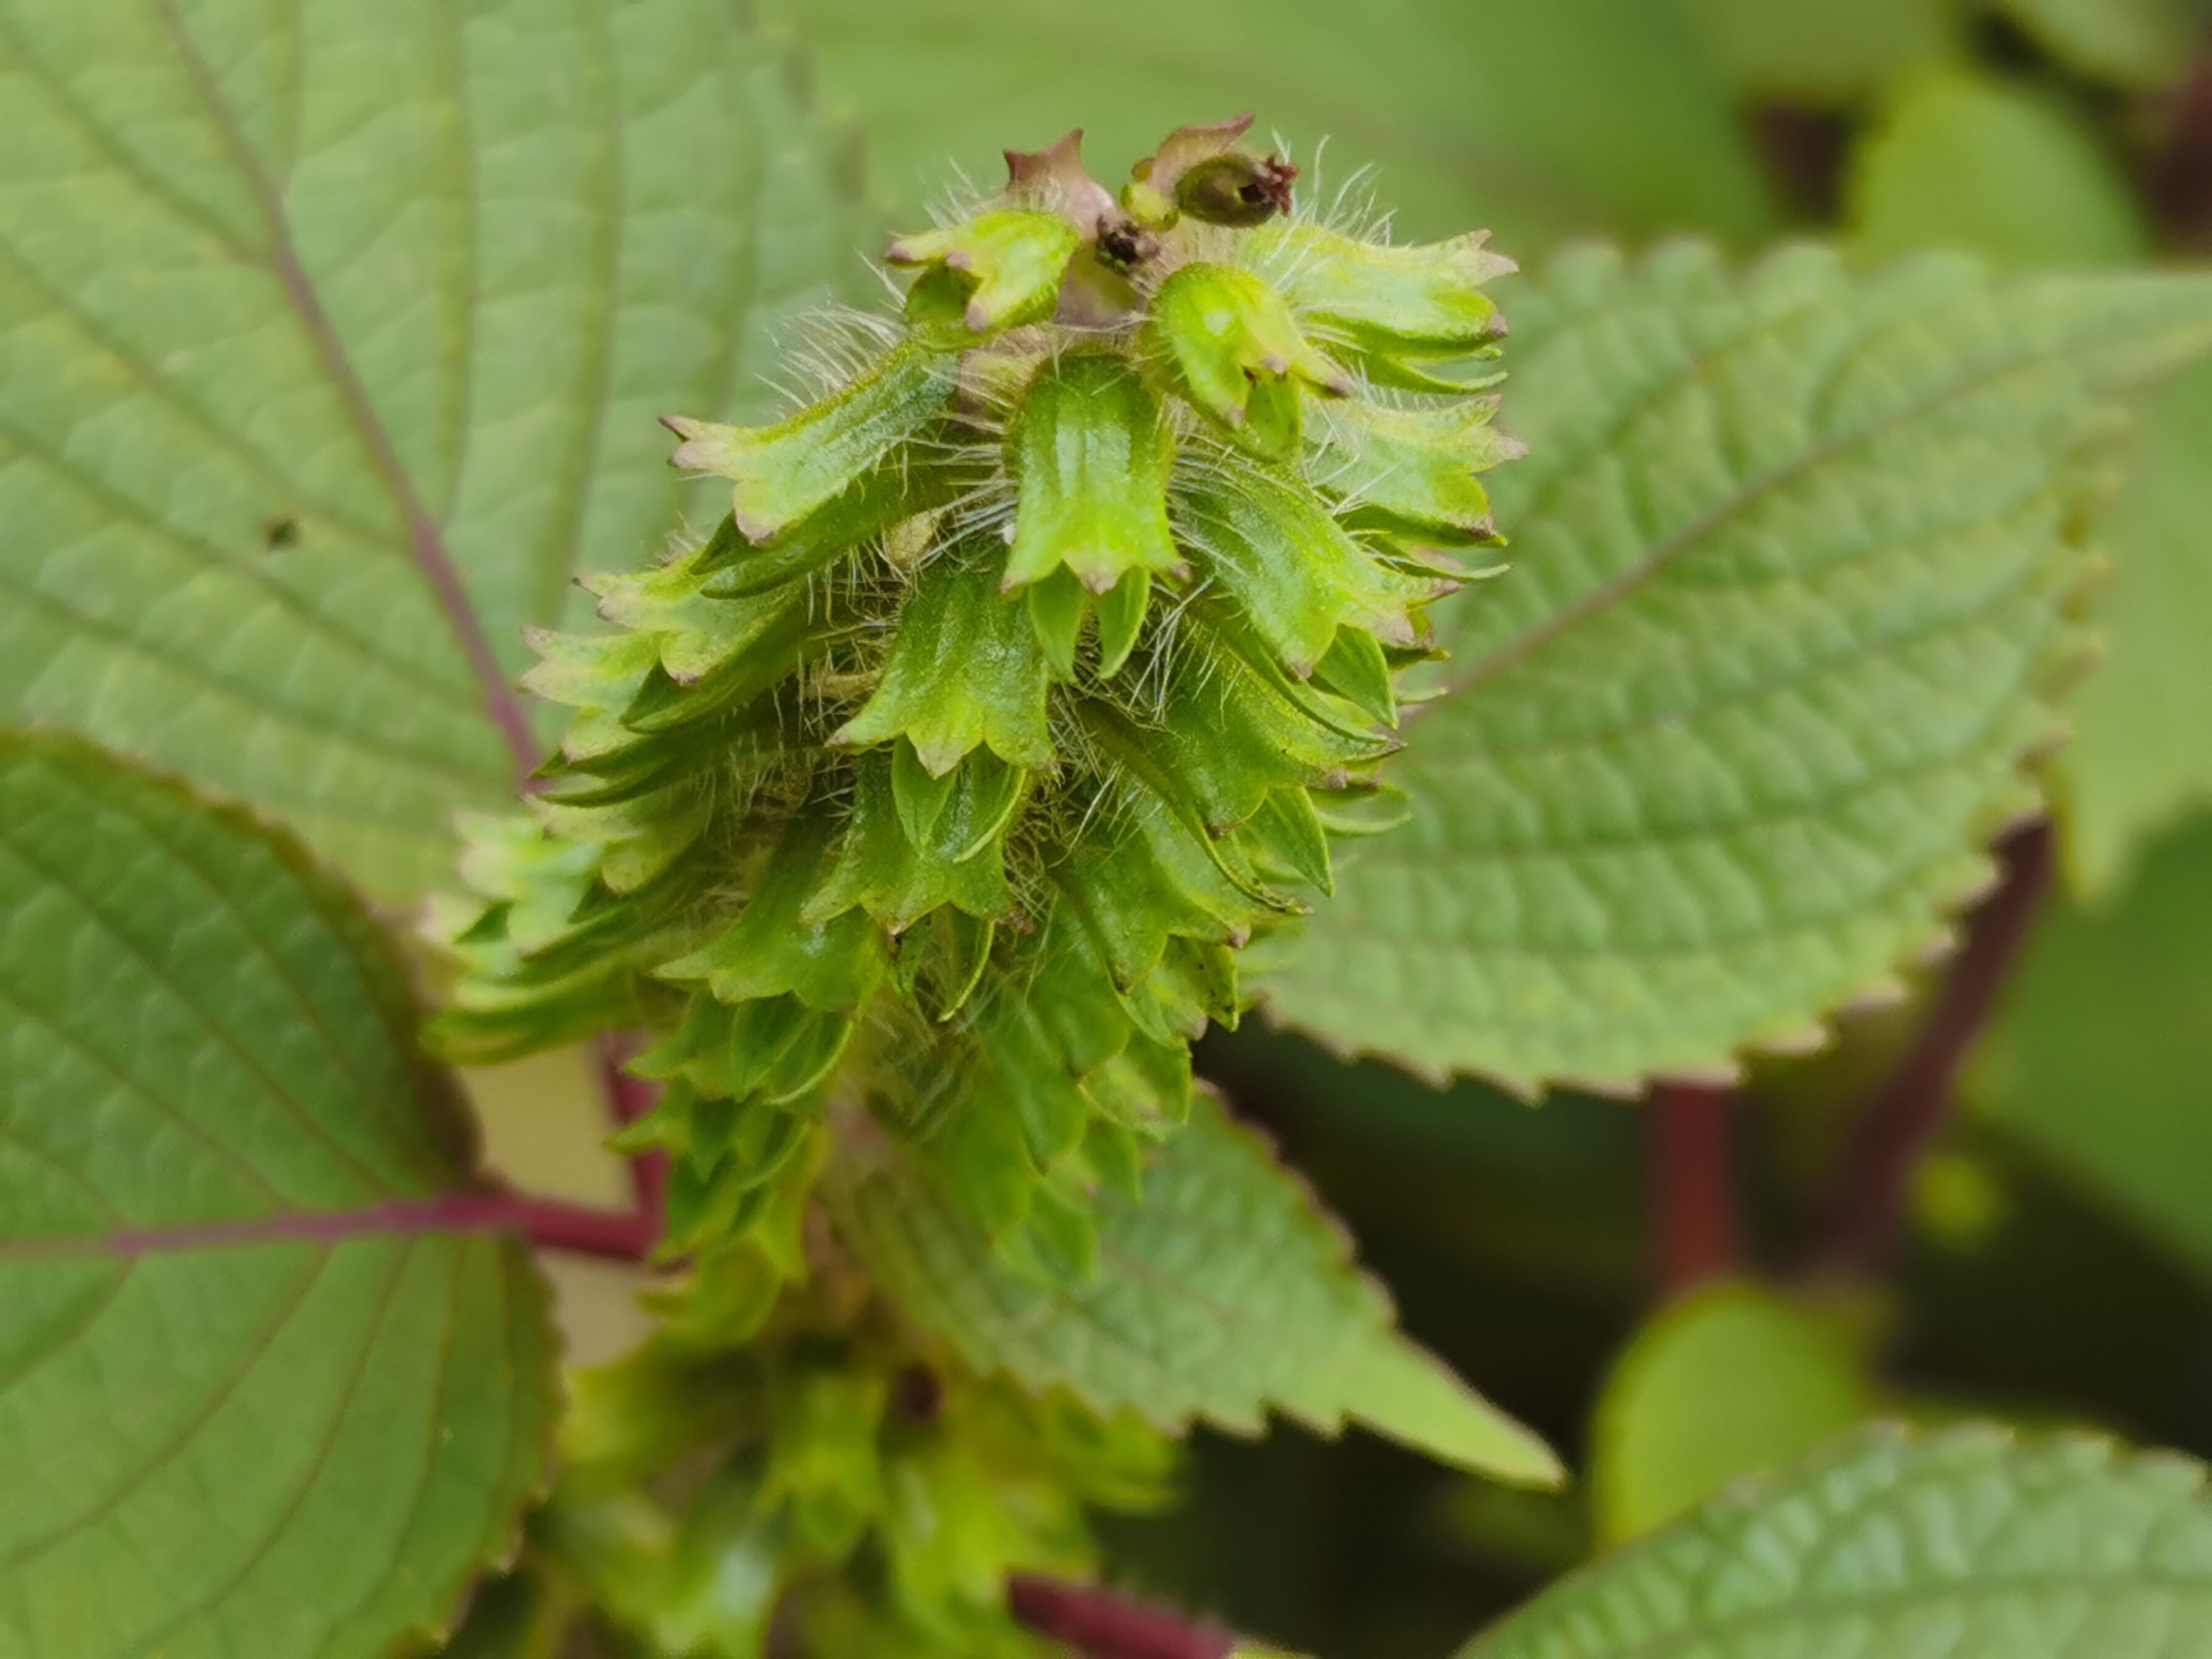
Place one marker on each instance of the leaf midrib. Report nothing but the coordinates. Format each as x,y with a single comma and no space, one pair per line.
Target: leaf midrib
445,1214
1663,553
425,540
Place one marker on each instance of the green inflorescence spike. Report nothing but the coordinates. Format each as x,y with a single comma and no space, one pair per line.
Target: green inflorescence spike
1034,670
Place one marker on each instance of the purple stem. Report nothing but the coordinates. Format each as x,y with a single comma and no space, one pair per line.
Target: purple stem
1693,1174
1100,1625
629,1098
1867,1196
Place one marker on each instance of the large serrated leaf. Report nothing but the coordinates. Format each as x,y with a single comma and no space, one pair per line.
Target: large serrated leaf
1222,1293
260,1391
1795,561
331,341
1963,1546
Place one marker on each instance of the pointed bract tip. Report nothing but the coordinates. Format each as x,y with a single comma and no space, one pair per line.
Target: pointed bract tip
1188,144
1025,167
1055,180
753,530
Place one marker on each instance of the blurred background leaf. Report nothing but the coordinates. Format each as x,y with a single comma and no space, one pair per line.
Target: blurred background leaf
1731,1381
1539,118
2007,171
2102,1064
1824,51
2140,760
2138,43
1967,1543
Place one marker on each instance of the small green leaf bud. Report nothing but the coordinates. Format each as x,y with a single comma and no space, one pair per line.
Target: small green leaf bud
963,672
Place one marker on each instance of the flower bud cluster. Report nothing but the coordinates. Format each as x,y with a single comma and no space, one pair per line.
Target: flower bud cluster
1031,674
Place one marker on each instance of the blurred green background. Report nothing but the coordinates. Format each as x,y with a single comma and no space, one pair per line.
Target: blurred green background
2058,1262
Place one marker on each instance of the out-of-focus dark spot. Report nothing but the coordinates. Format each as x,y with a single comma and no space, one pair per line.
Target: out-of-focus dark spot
917,1394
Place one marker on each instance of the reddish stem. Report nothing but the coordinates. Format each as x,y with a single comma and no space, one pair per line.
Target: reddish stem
1868,1197
582,1230
1693,1171
628,1099
1100,1625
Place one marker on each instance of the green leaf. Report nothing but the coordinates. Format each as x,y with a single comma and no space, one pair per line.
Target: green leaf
1794,564
1823,51
1221,1292
2136,43
1967,1545
267,1386
1981,167
1539,118
1732,1380
2101,1060
2141,759
333,344
2018,177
